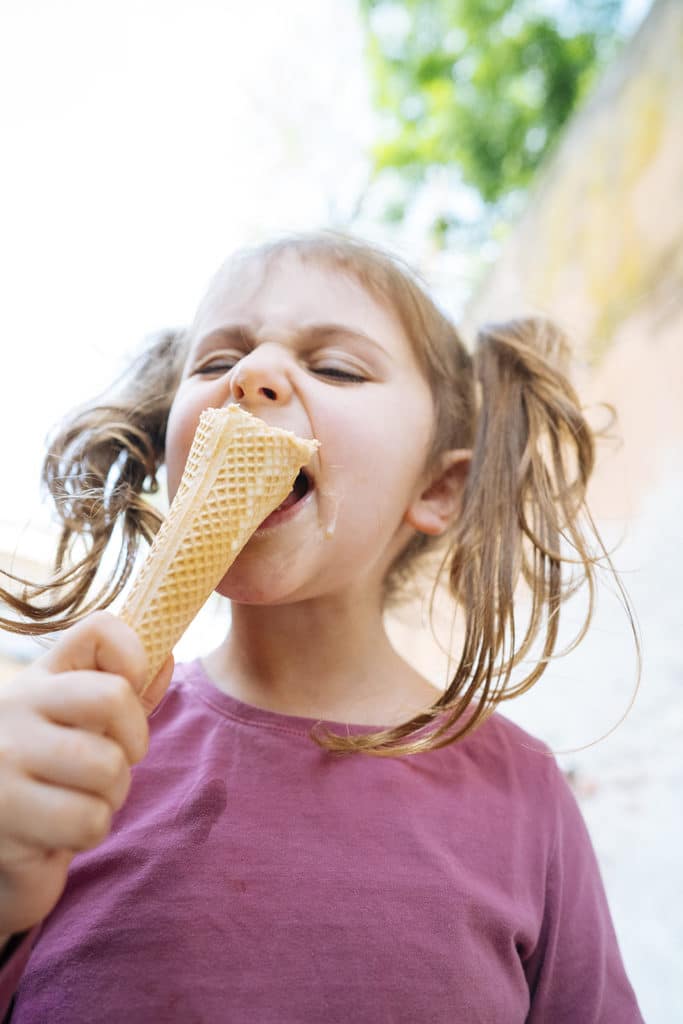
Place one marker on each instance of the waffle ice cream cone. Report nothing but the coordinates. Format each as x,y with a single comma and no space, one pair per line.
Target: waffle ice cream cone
238,471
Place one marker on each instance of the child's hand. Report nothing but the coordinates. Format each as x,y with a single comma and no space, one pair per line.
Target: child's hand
71,727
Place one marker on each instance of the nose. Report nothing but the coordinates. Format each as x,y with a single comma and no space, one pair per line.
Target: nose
262,377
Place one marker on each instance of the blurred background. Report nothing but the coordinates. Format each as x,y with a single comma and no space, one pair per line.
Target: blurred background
525,155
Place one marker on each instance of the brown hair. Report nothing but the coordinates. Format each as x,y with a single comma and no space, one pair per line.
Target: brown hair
523,514
100,462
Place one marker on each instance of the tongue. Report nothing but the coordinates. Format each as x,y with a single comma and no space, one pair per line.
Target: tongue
290,500
296,494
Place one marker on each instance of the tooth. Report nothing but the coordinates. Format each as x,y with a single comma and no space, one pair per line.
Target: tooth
238,471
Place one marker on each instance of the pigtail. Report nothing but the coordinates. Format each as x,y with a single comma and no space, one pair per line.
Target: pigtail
100,463
524,512
523,518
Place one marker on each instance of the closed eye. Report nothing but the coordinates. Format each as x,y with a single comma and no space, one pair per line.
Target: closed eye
218,367
335,373
214,368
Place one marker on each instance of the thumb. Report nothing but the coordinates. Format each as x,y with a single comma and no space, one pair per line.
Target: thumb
152,693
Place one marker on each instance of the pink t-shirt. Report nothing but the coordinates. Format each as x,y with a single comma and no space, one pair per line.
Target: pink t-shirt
251,876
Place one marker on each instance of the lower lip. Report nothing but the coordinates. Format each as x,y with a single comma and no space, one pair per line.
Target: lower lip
279,517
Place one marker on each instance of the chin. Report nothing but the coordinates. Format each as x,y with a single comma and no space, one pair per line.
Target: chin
240,589
243,593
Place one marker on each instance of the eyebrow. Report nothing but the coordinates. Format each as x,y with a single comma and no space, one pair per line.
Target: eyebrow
243,333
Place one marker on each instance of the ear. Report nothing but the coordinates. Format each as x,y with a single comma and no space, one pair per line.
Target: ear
435,508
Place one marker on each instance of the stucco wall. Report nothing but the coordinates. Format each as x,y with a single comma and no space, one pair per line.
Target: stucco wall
600,249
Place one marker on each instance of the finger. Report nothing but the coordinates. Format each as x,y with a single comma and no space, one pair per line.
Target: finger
18,858
103,642
151,695
38,814
97,702
74,759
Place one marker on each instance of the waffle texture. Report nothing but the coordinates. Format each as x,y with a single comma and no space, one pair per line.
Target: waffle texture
238,471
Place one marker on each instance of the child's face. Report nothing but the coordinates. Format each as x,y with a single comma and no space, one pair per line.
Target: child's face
356,387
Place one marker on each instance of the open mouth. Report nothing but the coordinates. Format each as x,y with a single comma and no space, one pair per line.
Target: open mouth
303,485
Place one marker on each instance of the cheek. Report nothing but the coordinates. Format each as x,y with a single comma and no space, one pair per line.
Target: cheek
180,429
390,445
375,468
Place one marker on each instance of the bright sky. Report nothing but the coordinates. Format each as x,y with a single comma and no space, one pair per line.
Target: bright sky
143,142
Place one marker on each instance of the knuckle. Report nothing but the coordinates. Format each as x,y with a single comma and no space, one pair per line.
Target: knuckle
138,735
114,767
95,822
116,694
144,738
105,623
98,621
72,748
121,794
136,650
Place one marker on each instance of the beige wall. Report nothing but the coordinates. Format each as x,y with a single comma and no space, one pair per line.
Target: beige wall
600,249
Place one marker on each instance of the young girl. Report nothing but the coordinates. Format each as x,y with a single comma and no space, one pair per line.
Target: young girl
225,849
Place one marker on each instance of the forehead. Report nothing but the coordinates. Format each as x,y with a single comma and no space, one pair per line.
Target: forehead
288,291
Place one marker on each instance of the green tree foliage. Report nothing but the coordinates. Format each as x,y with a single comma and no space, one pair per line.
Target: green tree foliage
481,86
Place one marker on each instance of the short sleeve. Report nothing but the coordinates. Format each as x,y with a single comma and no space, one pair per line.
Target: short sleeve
576,973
